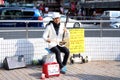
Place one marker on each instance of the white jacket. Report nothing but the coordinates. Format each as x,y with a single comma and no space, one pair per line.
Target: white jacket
51,34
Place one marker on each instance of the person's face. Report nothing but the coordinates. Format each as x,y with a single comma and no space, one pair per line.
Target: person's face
56,20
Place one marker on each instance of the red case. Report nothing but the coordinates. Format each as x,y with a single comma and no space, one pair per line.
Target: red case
51,69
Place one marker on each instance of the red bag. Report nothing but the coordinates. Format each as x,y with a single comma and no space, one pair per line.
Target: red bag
51,69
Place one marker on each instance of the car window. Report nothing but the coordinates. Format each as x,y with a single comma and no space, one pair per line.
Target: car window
20,14
28,14
118,17
0,13
63,18
11,14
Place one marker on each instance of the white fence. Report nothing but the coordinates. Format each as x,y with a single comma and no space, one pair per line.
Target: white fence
31,48
98,48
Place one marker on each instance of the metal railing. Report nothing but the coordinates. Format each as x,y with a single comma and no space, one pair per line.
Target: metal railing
102,29
101,0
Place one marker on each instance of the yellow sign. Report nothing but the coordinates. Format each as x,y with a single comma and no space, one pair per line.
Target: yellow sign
76,41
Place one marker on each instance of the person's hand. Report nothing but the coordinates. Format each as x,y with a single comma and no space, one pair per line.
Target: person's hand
48,40
62,43
65,29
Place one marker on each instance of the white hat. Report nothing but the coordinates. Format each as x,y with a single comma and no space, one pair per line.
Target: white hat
56,14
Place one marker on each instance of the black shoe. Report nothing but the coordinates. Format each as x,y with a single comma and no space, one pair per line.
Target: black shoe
62,72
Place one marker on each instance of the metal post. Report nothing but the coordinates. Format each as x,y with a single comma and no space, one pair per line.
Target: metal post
101,28
27,29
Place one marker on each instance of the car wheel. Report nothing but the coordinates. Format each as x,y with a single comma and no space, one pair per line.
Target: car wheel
76,25
118,26
115,26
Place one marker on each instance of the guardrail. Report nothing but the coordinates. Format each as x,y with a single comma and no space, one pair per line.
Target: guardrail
103,29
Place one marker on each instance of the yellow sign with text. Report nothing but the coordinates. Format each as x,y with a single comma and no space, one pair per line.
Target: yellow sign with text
76,41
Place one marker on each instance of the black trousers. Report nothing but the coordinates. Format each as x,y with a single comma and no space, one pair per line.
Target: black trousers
57,50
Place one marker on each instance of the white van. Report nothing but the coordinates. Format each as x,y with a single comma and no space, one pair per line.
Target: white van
111,14
114,17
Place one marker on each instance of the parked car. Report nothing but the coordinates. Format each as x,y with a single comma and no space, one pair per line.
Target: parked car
111,14
20,13
72,23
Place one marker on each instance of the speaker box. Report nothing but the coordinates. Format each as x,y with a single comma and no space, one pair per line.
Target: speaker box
14,62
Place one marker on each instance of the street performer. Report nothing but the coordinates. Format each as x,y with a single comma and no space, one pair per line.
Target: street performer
54,36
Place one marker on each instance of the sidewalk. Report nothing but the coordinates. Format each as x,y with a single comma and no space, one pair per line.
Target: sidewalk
95,70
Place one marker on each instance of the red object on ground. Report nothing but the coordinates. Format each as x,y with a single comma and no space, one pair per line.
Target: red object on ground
51,69
42,76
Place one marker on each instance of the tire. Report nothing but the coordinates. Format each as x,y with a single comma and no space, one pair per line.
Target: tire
76,25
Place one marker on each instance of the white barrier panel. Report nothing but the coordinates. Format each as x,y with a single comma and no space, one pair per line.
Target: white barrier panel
98,48
31,48
102,48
